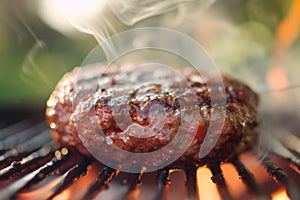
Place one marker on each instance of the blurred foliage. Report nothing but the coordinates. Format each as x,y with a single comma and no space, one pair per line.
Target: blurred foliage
28,45
33,56
267,12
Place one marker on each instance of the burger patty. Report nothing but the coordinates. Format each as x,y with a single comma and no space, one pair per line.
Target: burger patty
142,111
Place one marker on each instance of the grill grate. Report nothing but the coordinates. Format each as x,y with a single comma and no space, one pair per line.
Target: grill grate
191,182
249,179
29,158
278,174
104,177
218,179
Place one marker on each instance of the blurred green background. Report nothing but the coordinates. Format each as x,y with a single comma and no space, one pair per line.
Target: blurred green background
34,55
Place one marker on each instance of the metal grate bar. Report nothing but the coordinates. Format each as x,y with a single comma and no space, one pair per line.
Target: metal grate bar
134,180
191,182
70,176
163,179
289,140
282,144
218,179
297,166
249,179
27,158
132,183
34,177
27,147
13,129
10,156
21,136
104,177
278,173
28,163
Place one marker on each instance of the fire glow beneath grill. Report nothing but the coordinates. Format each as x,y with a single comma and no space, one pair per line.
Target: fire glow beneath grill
280,195
41,191
207,190
205,184
58,173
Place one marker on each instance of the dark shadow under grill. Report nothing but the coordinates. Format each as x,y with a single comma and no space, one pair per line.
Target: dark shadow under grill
32,166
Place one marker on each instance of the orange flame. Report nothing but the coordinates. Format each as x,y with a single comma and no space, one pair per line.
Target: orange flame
206,188
288,29
280,195
286,34
235,186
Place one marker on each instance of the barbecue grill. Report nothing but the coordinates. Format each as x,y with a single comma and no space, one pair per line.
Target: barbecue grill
32,166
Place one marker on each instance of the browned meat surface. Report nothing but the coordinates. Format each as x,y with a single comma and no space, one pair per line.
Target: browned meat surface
125,108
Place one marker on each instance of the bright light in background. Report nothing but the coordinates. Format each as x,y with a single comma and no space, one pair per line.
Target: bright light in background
77,8
90,15
277,78
59,14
